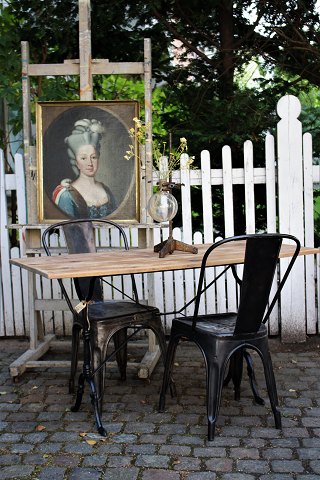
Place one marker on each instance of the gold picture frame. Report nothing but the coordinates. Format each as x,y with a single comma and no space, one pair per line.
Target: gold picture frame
82,170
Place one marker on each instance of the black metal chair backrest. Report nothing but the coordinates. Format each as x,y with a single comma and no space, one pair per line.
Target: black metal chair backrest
80,238
261,257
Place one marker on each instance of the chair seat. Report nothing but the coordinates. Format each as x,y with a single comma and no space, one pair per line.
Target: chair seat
218,325
113,309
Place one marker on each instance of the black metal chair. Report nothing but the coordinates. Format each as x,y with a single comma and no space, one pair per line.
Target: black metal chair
225,337
101,319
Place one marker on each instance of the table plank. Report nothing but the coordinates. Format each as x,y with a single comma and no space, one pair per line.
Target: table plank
121,262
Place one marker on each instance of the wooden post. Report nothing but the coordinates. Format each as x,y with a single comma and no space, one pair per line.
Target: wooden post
148,121
29,157
85,50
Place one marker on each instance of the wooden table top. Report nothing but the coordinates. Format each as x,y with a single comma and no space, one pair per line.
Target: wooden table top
144,260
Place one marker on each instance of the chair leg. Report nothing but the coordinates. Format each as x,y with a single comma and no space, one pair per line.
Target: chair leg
99,375
235,373
167,374
236,363
74,356
271,384
122,354
252,378
229,375
214,389
79,395
163,348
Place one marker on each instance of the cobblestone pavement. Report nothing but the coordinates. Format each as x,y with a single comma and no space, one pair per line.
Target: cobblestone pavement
40,438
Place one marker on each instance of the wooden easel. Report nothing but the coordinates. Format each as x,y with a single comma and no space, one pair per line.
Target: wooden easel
85,67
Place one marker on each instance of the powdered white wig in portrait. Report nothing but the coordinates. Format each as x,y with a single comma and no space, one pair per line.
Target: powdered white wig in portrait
85,132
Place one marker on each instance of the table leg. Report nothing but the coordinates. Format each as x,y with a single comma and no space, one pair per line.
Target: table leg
87,376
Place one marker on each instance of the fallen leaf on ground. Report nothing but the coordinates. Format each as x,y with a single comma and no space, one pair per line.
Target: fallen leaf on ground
91,442
39,428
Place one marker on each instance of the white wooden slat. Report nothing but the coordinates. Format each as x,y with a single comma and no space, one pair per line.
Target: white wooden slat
168,296
311,320
273,321
270,184
227,192
220,286
249,193
1,309
126,279
178,277
249,188
133,236
10,181
105,242
19,320
228,218
169,305
117,280
21,189
156,294
198,238
206,190
290,195
7,324
187,224
207,225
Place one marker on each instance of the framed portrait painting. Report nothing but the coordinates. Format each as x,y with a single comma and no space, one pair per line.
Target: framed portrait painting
82,169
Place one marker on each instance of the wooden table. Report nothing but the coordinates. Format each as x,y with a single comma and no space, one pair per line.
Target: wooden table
137,260
119,263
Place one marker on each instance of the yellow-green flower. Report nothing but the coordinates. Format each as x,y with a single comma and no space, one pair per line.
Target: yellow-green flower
159,149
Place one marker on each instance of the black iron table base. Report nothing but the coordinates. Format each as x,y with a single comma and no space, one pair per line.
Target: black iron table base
87,375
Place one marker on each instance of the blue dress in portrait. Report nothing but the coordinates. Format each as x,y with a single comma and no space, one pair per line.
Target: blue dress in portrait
71,202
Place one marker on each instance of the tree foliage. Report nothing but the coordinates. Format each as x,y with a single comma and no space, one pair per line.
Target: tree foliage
201,93
200,57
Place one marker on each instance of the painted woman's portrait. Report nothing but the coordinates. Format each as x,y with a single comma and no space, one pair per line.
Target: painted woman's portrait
82,169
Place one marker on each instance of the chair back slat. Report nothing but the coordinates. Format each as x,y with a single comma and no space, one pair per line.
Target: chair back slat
260,262
80,238
261,258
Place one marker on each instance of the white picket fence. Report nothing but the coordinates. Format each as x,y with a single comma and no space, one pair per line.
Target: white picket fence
289,177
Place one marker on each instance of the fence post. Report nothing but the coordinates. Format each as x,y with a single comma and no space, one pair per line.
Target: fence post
6,316
291,215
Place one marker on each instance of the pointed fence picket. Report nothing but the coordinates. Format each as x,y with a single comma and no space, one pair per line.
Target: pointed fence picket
288,177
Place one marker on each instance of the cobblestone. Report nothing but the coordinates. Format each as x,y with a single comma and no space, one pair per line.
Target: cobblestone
41,439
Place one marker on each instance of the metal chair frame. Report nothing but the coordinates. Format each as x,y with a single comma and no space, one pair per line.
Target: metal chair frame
224,338
99,319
